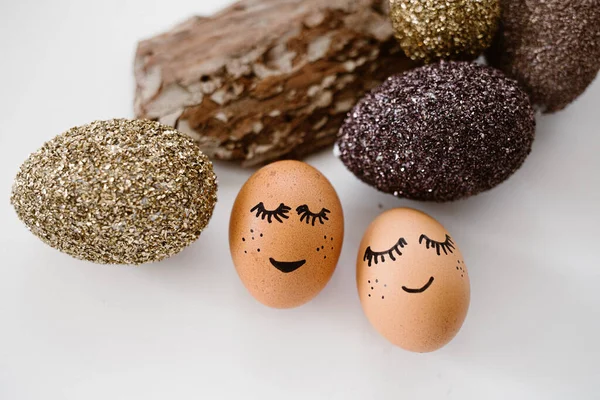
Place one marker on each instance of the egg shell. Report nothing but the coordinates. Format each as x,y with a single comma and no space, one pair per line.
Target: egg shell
287,261
117,192
419,300
433,29
440,132
552,47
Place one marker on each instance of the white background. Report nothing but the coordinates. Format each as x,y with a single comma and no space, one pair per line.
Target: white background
187,329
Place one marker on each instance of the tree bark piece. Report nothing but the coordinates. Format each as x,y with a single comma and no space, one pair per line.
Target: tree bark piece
266,79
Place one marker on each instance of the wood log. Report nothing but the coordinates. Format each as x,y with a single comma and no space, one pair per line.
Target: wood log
266,79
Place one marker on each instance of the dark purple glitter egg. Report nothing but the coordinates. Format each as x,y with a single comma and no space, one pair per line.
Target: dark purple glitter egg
440,132
552,47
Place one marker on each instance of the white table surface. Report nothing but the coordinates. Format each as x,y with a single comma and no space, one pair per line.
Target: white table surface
187,329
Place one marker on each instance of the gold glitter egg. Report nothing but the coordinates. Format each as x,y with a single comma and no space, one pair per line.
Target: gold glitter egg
117,192
430,30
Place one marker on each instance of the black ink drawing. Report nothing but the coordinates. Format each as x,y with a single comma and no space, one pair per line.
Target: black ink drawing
306,214
446,246
371,255
263,213
420,290
285,266
280,214
460,269
373,288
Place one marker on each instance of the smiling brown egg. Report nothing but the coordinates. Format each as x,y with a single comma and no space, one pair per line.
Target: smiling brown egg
412,280
285,233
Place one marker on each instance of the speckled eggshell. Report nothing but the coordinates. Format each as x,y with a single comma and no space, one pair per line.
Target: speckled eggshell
412,280
286,257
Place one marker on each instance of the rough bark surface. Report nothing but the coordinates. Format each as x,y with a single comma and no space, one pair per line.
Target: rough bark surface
266,79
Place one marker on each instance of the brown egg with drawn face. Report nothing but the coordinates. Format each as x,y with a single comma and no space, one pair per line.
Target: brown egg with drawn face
285,233
412,280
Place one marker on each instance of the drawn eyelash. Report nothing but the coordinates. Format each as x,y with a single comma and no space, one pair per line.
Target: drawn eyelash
306,214
279,213
447,246
371,255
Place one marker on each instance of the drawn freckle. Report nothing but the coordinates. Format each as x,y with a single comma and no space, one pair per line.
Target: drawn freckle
332,248
322,247
385,285
251,230
369,295
325,237
318,249
376,280
382,297
456,267
261,235
252,237
369,281
245,252
324,257
258,250
243,239
371,287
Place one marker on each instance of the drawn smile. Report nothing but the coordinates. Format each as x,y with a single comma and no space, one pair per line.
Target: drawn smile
287,267
420,290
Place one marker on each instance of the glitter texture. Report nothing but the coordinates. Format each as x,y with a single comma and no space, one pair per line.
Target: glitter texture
117,192
440,132
444,29
552,47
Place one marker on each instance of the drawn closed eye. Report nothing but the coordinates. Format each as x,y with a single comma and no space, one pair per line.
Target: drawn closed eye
306,215
371,255
278,213
447,245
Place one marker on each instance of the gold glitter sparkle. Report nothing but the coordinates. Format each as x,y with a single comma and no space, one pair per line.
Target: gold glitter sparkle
117,192
429,30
